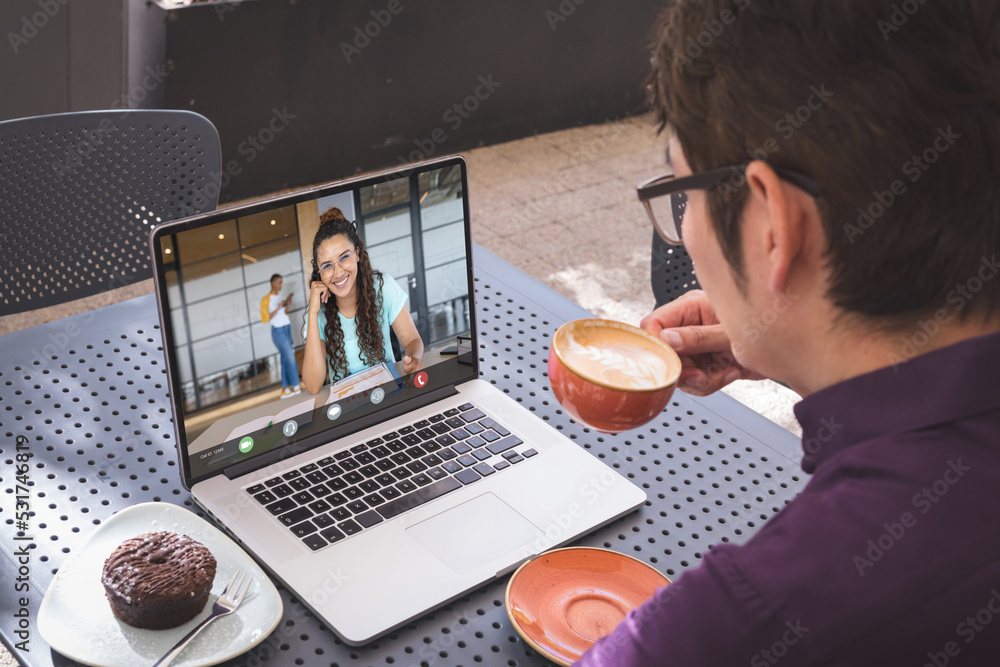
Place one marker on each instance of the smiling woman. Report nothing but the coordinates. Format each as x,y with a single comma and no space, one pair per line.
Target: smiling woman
350,331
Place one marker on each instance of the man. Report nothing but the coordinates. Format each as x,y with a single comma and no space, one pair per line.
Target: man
274,309
852,253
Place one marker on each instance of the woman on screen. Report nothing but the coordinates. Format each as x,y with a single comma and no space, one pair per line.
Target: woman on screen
351,307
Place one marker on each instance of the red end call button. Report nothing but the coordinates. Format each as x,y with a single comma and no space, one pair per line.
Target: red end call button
420,380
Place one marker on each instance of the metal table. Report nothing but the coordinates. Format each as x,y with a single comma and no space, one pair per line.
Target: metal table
88,393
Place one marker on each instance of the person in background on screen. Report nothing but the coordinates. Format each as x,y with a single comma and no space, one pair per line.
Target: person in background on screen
351,309
274,310
847,244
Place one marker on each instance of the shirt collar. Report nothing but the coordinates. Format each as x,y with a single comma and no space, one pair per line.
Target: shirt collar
940,386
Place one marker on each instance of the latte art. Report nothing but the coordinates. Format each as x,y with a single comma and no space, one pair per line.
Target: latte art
618,358
611,376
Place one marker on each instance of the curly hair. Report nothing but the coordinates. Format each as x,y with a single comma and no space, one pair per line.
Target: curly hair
366,319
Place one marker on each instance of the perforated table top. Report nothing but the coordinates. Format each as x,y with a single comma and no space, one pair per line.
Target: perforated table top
89,394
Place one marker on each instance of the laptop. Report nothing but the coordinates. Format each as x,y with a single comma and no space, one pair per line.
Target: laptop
387,493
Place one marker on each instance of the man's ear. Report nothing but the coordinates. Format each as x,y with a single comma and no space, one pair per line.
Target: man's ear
784,224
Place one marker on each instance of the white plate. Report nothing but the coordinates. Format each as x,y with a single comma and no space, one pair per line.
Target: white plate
76,619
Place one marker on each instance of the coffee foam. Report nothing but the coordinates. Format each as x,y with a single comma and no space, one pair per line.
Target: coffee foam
616,356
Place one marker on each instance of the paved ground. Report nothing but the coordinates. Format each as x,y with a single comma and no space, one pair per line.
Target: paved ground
562,207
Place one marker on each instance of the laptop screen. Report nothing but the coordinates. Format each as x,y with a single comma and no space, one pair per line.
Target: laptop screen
258,364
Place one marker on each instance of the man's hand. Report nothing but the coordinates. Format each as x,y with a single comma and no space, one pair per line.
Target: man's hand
689,325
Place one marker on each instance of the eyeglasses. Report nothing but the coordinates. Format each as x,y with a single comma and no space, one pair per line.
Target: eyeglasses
667,213
347,261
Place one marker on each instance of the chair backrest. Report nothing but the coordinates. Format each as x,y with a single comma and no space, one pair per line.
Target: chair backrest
79,193
671,272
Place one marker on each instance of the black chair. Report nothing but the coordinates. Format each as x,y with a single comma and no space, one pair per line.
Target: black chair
670,271
79,193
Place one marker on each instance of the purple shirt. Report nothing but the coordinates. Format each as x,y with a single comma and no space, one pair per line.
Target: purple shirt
889,556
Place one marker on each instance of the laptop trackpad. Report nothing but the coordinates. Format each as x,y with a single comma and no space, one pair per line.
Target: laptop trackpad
474,533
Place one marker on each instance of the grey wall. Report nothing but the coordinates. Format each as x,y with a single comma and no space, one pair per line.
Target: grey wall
307,91
77,55
560,63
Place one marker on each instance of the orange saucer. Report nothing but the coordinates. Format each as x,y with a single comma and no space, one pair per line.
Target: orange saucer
564,600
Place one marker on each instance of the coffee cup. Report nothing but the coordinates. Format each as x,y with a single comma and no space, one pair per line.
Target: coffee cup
611,376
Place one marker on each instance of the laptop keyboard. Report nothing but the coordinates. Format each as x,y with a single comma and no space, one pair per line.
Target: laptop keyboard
327,500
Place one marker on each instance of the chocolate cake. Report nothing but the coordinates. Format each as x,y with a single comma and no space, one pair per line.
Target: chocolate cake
158,580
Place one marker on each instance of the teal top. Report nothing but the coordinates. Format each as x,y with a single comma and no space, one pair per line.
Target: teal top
393,300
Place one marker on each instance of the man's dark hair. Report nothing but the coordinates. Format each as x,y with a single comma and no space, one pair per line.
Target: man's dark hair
862,95
276,276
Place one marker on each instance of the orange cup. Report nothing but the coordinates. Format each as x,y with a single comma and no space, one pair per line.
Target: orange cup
611,376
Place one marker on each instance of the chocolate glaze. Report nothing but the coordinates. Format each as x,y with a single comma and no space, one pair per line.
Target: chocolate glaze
154,579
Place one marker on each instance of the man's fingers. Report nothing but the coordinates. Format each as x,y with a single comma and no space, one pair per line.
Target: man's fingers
689,309
721,375
700,383
705,374
696,340
694,381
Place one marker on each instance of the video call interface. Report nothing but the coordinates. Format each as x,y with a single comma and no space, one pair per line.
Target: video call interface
237,298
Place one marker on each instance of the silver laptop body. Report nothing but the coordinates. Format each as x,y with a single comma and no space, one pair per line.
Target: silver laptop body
237,442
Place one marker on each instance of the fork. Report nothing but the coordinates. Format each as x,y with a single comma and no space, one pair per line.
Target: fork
227,603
